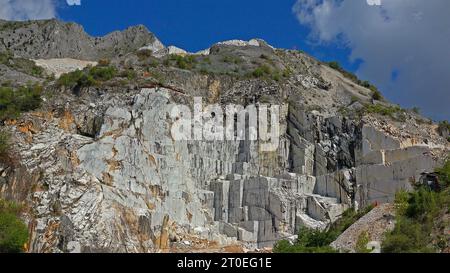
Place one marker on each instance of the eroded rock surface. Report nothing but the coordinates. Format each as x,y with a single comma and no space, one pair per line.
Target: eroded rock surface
100,169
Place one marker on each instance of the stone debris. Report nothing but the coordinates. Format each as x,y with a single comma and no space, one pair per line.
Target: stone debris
58,67
376,223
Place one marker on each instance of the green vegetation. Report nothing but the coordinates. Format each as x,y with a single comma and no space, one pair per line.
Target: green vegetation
14,102
13,25
4,144
376,94
232,59
444,128
420,224
13,232
263,70
394,112
309,241
87,77
187,62
130,74
444,174
266,72
361,244
76,78
444,125
316,241
20,64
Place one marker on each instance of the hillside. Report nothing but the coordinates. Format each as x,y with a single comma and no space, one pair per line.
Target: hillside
92,157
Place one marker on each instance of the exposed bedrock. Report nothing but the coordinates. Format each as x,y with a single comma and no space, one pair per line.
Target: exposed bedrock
112,178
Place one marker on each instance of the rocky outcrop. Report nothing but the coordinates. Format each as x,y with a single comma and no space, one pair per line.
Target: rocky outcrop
49,39
106,174
374,224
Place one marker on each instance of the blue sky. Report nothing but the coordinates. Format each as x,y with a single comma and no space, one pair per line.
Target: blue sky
402,46
197,24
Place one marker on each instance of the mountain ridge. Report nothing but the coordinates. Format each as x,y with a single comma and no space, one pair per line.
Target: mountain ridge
98,169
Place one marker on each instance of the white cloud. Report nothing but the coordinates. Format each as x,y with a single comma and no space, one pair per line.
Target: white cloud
31,9
27,9
408,37
73,2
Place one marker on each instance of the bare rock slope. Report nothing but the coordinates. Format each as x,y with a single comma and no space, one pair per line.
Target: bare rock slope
100,170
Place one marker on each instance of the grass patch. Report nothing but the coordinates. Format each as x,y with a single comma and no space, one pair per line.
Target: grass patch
316,241
394,112
13,232
266,72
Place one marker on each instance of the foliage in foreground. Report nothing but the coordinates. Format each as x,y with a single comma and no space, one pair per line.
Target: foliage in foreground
420,222
316,241
13,232
14,102
4,143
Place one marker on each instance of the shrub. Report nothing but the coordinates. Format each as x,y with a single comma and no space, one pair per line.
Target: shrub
4,143
232,59
309,241
29,98
335,65
130,74
316,241
408,236
418,216
394,112
182,62
5,57
263,70
102,73
444,126
13,232
361,244
444,174
87,77
287,72
376,95
73,79
276,76
21,64
13,102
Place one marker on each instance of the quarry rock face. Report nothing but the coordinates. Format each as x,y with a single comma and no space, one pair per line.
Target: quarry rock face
101,170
